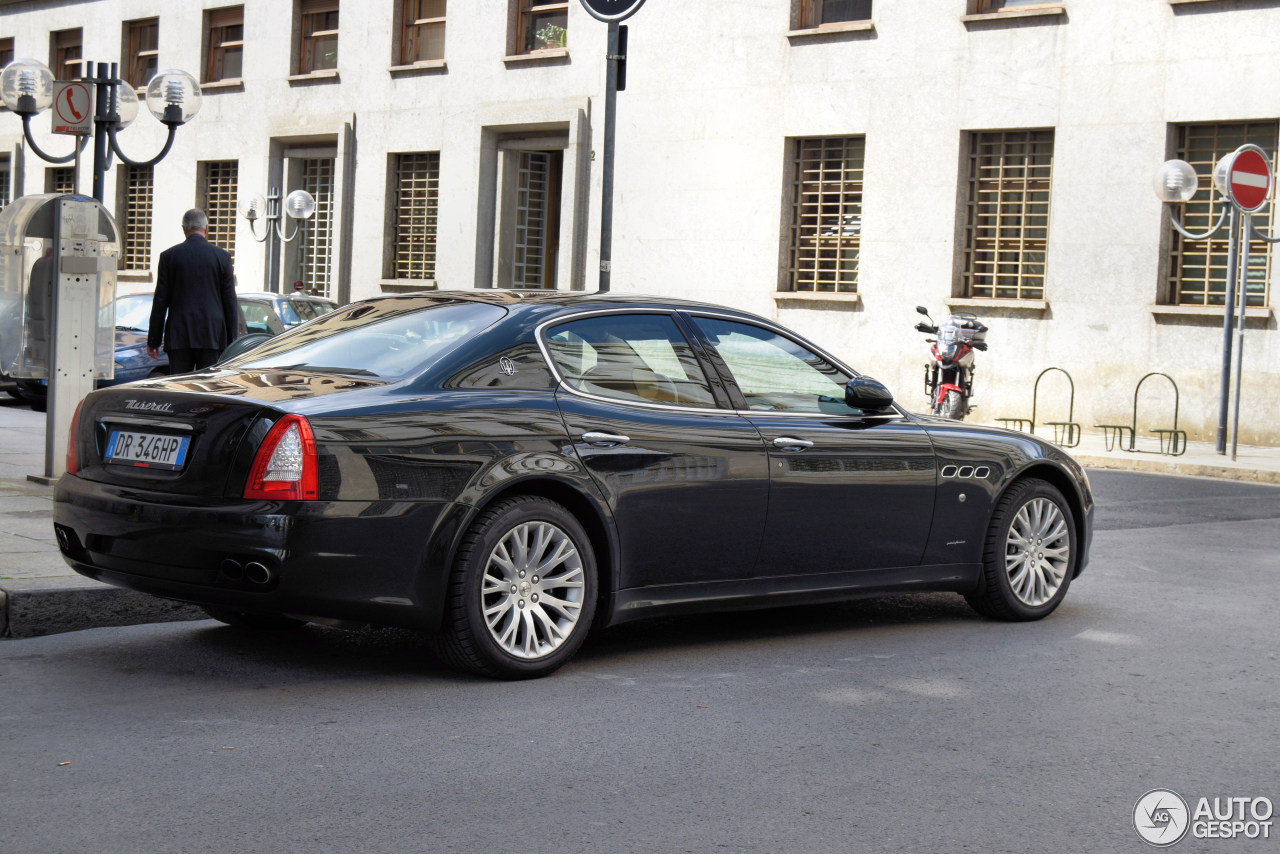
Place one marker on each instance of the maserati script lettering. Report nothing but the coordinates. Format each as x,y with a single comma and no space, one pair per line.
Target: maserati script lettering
148,406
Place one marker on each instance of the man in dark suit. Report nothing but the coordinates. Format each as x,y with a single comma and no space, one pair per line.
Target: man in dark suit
196,289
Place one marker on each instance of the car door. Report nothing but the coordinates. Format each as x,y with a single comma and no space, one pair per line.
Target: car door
849,490
686,477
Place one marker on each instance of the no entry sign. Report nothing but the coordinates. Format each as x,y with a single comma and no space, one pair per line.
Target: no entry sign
611,10
1244,177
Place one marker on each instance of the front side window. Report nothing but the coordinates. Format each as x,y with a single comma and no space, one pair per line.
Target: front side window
541,26
826,214
388,339
224,44
1198,268
142,39
638,358
1006,235
422,31
818,13
65,53
317,36
774,373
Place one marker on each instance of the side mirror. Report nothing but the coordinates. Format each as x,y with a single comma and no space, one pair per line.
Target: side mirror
922,310
867,394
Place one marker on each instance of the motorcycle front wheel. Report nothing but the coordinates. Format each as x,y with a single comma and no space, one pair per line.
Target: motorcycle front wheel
953,406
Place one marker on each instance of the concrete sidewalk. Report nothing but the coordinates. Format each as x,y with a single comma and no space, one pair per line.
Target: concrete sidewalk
40,594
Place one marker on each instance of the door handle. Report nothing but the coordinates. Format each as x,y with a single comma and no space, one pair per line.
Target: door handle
597,439
786,443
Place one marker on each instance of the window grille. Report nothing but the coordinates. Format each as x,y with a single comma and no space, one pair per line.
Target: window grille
318,36
142,50
1007,214
317,246
533,175
826,214
224,44
422,34
60,179
64,58
5,181
138,190
416,202
816,13
541,25
1198,268
220,190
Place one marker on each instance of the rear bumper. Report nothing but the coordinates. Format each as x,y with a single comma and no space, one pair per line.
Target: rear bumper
341,560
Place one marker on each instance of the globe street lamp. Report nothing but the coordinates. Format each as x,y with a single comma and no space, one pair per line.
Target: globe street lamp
173,97
299,205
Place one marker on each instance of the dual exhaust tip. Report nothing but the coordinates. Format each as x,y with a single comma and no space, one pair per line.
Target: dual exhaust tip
253,572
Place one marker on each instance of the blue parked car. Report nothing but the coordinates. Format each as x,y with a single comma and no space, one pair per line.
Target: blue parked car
261,314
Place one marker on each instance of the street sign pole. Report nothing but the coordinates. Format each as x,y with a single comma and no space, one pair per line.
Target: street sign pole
1233,256
611,12
1243,290
610,126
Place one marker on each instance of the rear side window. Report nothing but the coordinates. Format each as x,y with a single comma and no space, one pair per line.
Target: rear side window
630,357
388,339
258,317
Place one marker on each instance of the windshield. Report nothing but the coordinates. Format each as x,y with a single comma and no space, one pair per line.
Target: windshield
387,339
134,312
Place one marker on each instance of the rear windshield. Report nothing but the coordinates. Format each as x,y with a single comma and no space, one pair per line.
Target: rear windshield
387,339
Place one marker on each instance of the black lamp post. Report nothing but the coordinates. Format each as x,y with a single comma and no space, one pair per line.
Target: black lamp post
173,97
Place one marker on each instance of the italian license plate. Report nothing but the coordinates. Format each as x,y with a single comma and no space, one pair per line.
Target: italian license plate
147,450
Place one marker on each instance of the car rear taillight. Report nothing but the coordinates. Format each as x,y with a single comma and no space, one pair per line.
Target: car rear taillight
72,466
285,466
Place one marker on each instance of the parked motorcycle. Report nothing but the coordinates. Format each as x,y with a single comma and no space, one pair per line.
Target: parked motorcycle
948,379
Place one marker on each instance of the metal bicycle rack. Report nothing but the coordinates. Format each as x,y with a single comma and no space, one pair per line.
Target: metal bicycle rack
1065,433
1173,442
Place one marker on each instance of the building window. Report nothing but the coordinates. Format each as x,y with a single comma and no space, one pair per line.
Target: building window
6,52
826,214
979,7
817,13
216,195
136,191
413,229
6,181
541,26
60,179
316,247
422,31
224,44
141,47
1198,268
317,36
65,53
1007,214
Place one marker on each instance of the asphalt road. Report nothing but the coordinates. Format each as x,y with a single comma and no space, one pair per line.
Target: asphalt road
904,724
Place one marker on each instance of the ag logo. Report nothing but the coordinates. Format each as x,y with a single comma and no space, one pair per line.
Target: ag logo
1161,817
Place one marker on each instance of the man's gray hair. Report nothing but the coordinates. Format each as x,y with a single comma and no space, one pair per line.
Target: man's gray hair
194,220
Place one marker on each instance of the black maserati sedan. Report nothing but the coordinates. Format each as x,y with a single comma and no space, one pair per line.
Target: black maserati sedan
504,471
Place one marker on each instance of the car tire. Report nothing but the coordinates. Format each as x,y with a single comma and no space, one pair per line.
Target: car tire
37,402
1030,554
261,622
520,556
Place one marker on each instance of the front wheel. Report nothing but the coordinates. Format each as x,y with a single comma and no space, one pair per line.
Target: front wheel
522,593
1030,554
953,406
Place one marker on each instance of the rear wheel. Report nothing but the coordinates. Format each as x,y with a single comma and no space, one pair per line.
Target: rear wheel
261,622
1030,554
522,593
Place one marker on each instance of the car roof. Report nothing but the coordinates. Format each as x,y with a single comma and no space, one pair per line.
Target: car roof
552,303
265,295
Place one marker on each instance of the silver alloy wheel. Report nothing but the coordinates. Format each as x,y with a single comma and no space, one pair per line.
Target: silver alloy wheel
531,593
1037,551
